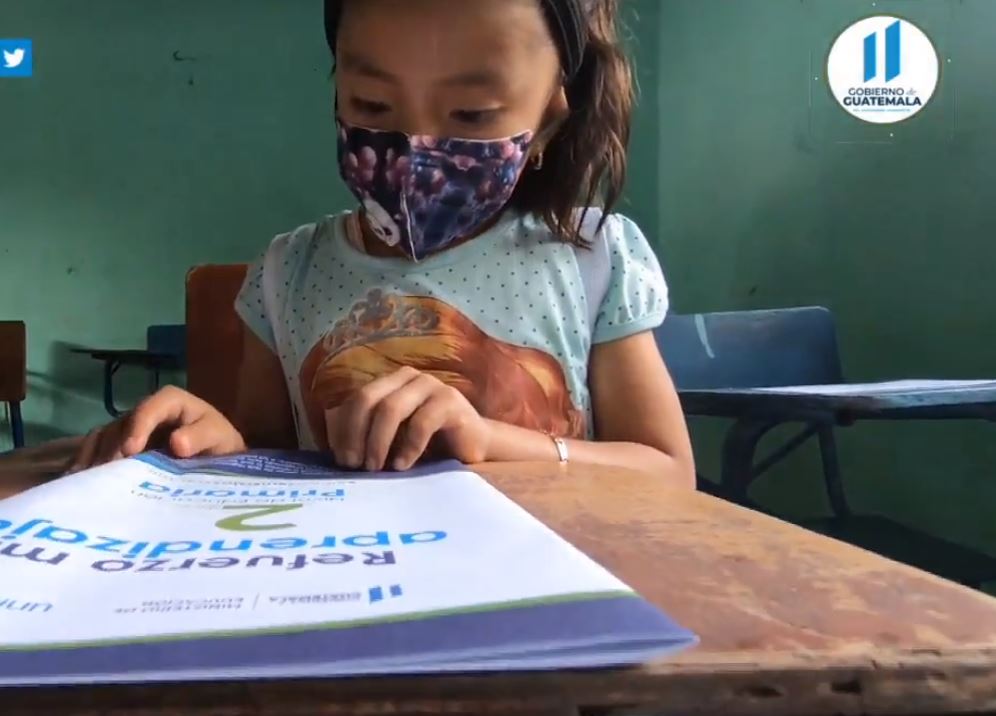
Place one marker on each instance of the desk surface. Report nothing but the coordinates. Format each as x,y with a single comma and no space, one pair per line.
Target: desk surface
137,357
912,399
791,622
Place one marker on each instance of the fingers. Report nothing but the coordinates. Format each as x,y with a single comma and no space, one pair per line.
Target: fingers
99,447
397,417
109,447
205,436
348,425
87,451
193,439
168,407
427,421
389,415
337,445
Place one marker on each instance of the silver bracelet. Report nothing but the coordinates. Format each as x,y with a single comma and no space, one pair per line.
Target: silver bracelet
562,452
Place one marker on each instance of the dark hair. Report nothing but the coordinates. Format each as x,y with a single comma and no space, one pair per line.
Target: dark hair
584,164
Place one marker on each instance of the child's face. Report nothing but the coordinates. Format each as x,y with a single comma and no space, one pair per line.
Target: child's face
474,69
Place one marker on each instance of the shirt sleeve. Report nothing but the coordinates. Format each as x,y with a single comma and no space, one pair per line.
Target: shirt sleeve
637,296
251,305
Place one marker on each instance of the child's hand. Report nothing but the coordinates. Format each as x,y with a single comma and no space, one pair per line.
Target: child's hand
172,418
396,417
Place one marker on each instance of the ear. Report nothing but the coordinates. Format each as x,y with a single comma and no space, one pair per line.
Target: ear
556,114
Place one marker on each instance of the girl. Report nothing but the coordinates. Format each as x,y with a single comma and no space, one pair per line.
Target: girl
468,309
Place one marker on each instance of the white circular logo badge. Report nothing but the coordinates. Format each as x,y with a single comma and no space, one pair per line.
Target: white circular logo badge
883,69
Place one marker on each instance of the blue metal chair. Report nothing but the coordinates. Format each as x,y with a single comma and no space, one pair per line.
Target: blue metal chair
751,349
767,368
726,365
756,349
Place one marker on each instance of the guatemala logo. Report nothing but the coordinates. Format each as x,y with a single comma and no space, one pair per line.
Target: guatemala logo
883,69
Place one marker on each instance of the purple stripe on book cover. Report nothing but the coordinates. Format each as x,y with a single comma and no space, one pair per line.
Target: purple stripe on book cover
278,464
586,626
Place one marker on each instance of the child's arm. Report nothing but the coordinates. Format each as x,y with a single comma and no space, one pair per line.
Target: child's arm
391,421
171,418
638,418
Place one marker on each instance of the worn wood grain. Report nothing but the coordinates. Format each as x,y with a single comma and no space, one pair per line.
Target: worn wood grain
791,622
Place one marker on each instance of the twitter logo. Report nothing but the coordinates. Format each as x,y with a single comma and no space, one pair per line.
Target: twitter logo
13,59
16,58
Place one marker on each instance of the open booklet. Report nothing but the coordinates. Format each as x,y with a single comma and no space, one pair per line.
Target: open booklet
276,565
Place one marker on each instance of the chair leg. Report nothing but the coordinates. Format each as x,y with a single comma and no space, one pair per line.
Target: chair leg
110,368
739,448
787,449
17,425
831,473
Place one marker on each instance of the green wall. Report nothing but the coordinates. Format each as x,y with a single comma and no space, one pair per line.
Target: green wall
122,165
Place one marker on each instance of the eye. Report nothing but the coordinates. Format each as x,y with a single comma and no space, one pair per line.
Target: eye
369,107
476,117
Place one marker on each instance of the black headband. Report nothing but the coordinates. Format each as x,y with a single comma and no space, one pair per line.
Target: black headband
565,17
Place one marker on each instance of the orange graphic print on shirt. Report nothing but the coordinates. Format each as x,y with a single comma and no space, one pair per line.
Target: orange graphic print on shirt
385,332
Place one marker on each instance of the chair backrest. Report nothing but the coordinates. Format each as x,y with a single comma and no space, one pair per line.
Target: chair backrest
751,349
168,340
13,362
214,334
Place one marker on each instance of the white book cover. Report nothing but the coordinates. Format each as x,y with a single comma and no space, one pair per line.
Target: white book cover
267,565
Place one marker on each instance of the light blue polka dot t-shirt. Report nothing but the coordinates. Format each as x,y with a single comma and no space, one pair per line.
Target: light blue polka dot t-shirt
507,318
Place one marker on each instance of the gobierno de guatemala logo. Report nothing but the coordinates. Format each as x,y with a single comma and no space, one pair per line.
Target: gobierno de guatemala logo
883,69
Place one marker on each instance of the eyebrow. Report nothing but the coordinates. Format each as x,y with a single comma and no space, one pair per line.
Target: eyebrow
476,78
361,65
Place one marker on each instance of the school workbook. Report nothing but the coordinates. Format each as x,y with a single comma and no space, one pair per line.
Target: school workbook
272,565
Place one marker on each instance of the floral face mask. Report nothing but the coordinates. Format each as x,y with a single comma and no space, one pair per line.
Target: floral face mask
422,193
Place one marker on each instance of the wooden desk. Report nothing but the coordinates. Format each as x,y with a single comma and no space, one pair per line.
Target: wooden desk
791,622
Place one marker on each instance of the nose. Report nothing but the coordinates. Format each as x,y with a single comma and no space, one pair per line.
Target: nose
418,116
